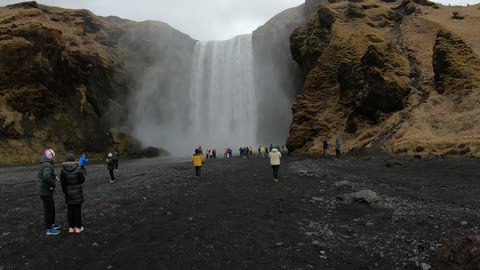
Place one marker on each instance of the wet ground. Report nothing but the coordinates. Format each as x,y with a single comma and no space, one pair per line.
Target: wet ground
157,216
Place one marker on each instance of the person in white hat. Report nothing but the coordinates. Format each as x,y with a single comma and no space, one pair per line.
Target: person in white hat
111,167
46,183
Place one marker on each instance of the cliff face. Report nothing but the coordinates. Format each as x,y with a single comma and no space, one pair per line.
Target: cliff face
399,75
66,75
276,73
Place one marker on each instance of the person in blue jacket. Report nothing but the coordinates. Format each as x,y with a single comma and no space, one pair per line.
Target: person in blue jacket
82,162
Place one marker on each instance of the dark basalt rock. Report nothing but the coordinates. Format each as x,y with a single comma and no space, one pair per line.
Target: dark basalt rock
26,5
458,254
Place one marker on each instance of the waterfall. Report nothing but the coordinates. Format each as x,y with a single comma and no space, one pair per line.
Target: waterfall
223,103
218,109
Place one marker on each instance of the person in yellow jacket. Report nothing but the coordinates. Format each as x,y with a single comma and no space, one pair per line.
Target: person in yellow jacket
275,156
198,161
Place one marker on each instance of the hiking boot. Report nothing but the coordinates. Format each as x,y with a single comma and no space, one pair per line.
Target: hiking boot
56,226
78,230
275,180
111,181
52,232
71,230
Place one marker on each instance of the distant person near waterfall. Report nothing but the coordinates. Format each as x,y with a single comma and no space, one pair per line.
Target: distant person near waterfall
111,167
275,157
115,161
198,161
82,162
338,148
325,147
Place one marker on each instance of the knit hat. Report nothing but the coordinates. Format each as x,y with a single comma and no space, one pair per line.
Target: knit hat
110,155
70,157
49,153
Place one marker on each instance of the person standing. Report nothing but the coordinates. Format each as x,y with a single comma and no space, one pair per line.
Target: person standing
111,167
82,162
198,161
71,179
337,148
275,156
214,153
325,147
115,161
46,183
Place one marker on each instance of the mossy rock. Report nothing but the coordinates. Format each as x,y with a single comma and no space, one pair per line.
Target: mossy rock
410,9
354,11
424,3
457,16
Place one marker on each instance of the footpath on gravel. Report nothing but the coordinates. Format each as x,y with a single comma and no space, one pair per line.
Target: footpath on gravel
157,216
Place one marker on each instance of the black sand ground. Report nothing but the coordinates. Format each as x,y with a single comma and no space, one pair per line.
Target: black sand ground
156,216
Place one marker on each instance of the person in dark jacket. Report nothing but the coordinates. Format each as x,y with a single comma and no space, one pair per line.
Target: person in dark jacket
71,179
46,183
111,167
115,161
338,148
325,147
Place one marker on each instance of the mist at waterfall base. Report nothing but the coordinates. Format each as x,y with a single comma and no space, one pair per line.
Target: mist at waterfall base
220,106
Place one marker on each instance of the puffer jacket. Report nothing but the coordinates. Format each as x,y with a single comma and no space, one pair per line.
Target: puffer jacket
274,156
110,164
72,178
46,177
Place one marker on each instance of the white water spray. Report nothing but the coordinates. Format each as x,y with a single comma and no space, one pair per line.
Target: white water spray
222,95
220,109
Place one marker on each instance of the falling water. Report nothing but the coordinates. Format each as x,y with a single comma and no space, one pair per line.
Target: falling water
218,109
223,104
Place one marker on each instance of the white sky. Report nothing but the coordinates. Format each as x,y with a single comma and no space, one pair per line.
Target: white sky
201,19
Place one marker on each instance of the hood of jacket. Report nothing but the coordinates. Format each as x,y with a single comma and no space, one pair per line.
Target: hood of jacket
70,166
44,159
83,156
274,150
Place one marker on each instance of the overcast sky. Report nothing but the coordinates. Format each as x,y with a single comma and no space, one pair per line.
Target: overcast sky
201,19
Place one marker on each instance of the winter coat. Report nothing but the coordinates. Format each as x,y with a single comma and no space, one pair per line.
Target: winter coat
337,145
71,179
275,156
83,160
46,177
110,164
197,160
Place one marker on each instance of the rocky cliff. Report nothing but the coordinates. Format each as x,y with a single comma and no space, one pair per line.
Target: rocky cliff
400,75
66,76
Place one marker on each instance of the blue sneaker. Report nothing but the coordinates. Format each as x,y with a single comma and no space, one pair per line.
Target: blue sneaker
52,232
56,226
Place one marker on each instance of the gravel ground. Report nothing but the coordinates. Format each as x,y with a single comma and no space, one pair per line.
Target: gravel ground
157,216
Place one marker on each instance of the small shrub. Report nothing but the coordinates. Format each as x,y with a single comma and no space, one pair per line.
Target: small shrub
457,15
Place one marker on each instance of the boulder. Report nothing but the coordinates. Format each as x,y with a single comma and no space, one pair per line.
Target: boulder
458,254
363,196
